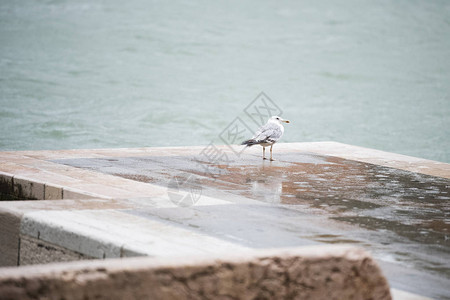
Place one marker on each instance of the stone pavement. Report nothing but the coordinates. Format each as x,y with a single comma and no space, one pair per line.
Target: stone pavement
185,201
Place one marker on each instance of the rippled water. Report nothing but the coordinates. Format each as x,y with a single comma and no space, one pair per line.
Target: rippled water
83,74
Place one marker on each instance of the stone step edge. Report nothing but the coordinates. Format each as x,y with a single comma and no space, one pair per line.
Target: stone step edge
313,272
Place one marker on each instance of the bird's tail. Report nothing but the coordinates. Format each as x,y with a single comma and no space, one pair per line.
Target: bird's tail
250,142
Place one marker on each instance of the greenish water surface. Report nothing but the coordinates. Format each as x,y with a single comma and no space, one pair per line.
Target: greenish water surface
95,74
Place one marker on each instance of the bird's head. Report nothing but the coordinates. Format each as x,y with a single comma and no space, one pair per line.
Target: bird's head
277,119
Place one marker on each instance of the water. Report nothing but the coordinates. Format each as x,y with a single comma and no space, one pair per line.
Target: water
83,74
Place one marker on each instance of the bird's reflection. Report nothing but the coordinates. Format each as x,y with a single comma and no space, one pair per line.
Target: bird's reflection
266,184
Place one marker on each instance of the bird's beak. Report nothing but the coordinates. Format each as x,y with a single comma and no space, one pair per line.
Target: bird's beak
285,121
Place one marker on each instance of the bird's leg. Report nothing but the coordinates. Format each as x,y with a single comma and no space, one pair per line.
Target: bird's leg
264,152
271,159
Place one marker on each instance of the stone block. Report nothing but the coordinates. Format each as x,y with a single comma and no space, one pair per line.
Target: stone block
6,184
299,273
26,189
35,251
53,192
9,238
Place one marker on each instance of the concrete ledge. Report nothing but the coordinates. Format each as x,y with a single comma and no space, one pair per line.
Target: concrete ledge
12,246
298,273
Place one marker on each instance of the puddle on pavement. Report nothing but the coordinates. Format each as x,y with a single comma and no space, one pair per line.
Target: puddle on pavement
399,208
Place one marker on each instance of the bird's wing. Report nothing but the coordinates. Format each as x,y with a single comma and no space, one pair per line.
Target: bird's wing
269,131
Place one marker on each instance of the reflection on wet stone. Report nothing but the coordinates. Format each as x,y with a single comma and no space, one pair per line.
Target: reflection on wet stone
398,207
351,191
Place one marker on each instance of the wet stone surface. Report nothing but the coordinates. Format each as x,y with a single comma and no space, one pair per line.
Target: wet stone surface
351,191
401,216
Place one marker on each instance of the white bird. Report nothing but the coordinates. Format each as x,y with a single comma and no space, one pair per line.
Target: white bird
267,135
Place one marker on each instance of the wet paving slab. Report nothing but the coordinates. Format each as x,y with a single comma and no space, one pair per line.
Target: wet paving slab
173,201
402,217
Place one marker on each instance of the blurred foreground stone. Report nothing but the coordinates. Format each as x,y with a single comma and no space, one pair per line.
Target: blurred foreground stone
317,272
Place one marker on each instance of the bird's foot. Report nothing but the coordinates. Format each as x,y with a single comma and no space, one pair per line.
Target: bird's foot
272,159
264,158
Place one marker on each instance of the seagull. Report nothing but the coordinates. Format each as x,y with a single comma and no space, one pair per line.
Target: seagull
267,135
